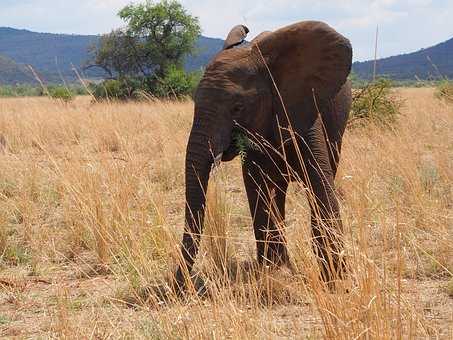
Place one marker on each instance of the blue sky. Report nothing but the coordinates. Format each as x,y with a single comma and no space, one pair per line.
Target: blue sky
405,25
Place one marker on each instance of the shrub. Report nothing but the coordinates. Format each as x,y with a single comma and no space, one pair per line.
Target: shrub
30,90
375,103
176,83
61,93
356,81
78,90
121,89
7,91
107,89
20,90
444,91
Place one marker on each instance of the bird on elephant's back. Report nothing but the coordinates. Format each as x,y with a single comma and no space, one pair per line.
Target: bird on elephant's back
287,93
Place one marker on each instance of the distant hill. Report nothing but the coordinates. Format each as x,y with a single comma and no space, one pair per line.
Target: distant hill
50,54
44,51
11,72
206,49
409,66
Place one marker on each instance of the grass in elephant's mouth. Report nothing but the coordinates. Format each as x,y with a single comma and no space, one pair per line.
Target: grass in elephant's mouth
91,213
242,143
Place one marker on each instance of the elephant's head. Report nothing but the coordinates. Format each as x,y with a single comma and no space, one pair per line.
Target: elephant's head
239,89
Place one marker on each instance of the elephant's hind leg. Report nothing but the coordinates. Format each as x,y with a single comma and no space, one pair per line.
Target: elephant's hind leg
325,212
267,206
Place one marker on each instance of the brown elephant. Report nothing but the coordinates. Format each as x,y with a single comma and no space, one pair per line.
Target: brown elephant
287,91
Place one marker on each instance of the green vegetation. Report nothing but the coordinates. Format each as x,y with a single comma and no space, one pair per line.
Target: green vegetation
20,91
243,144
360,83
114,89
65,93
148,55
356,81
176,82
444,91
375,102
61,93
163,34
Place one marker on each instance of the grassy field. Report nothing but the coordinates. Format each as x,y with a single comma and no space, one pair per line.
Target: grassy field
91,213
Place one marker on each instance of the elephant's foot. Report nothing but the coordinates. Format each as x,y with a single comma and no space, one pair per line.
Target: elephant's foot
275,256
184,285
179,283
334,273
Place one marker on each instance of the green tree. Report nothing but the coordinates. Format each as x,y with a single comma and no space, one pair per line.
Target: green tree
118,54
164,34
157,36
148,53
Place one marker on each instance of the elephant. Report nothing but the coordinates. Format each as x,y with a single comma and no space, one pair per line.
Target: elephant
287,92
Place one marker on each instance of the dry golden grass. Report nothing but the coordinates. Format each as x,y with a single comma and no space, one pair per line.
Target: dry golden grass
91,212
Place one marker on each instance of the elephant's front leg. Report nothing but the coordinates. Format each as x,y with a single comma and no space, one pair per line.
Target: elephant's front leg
267,205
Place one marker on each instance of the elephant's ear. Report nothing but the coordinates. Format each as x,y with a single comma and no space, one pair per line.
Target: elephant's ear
236,36
305,58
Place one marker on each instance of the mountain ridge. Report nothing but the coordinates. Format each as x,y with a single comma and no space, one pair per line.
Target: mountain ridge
427,63
53,56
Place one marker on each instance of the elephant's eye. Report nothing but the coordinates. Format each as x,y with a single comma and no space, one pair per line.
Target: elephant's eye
238,108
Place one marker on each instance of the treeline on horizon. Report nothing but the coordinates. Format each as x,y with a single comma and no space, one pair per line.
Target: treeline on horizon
78,89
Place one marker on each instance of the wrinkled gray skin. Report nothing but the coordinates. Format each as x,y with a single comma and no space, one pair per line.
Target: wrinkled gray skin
288,92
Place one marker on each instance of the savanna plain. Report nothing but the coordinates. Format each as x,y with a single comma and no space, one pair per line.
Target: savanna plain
91,214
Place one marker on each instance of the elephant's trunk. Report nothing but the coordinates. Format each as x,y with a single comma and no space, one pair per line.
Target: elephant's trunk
198,165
